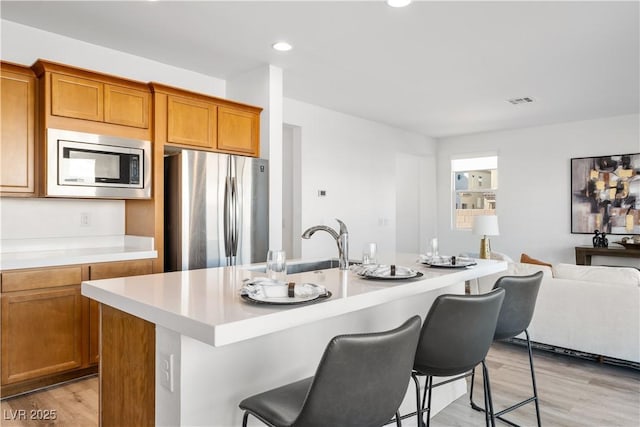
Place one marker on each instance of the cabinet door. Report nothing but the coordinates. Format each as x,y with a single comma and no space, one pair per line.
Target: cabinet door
191,122
41,333
17,114
126,106
238,131
76,97
109,270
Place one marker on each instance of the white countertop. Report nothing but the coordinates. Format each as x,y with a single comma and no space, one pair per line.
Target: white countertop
206,304
34,253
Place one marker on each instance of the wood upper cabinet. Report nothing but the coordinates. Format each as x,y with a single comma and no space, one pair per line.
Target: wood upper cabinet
87,99
126,106
191,122
109,270
77,97
17,130
238,131
42,327
73,93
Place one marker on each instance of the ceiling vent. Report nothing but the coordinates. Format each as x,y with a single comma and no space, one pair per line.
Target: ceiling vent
516,101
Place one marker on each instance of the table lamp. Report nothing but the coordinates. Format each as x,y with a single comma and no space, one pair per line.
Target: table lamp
485,225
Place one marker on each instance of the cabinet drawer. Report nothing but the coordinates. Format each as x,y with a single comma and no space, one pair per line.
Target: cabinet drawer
23,280
109,270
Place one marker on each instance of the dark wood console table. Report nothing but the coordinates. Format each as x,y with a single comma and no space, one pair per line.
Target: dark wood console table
584,253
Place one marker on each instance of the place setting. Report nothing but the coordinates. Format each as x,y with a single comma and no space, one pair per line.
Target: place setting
440,261
370,269
432,259
275,290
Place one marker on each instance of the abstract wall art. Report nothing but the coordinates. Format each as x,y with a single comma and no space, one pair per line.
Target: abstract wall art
605,194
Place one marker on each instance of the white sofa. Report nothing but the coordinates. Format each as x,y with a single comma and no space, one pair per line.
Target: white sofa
589,309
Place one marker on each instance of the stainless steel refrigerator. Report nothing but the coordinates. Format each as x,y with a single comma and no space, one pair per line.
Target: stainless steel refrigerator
216,210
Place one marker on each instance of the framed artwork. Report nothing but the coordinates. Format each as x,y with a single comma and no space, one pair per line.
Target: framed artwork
605,194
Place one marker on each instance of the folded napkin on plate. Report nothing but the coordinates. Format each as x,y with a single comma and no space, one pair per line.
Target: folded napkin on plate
380,270
270,288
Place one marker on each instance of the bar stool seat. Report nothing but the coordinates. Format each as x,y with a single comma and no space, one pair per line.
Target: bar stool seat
515,316
455,338
361,380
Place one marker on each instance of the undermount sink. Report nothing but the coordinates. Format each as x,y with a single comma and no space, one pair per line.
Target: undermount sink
304,266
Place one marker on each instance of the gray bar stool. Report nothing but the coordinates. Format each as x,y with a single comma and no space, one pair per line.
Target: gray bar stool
455,338
515,317
360,381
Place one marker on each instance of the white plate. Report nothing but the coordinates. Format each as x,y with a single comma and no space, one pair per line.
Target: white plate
260,299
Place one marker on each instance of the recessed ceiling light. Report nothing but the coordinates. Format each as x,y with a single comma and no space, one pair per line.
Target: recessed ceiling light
398,3
282,46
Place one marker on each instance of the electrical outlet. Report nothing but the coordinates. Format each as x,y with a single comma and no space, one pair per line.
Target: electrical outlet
166,371
85,219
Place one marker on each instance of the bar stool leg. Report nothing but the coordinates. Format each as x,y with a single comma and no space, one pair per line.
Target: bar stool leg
533,379
487,393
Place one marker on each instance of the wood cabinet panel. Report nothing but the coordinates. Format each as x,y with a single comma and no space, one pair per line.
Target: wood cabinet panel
41,333
238,131
126,106
109,270
77,97
17,130
127,370
191,122
22,280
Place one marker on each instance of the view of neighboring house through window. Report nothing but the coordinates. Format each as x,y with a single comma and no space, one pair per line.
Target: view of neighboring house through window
474,184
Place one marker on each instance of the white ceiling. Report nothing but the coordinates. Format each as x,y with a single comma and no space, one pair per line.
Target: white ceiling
437,68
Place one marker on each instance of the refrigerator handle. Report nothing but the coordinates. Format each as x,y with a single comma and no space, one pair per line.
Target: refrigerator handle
228,202
234,211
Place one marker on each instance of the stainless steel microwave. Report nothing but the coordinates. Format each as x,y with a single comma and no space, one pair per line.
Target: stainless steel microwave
88,165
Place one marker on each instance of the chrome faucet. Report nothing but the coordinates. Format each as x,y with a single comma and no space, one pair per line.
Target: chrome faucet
342,240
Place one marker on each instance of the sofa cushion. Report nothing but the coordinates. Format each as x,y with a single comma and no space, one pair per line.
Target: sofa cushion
528,260
601,274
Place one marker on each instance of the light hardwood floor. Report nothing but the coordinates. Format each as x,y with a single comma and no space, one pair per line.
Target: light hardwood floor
573,392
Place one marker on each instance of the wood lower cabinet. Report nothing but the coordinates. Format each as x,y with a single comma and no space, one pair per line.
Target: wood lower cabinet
49,331
41,333
17,130
109,270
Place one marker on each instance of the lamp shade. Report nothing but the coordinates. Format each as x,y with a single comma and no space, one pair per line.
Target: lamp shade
486,225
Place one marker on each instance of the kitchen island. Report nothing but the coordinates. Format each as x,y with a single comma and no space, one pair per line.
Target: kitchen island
184,348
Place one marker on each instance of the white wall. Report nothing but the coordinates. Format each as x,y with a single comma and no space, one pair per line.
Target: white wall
24,45
263,86
533,199
48,218
354,160
24,218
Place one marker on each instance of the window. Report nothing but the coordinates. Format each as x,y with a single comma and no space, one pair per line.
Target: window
474,184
